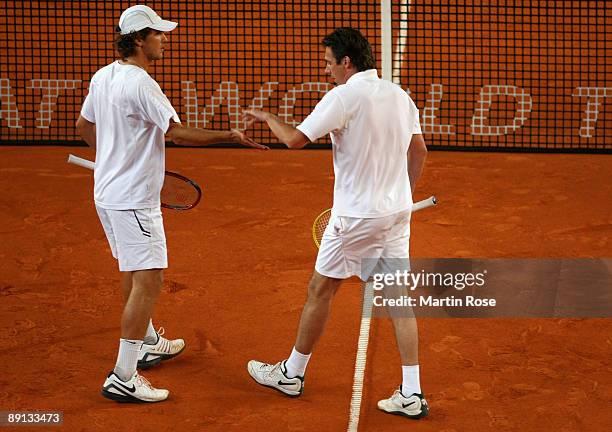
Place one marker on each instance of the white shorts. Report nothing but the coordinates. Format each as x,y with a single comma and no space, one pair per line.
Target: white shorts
136,238
348,241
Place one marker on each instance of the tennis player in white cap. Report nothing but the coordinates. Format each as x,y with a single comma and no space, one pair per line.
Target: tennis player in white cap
126,117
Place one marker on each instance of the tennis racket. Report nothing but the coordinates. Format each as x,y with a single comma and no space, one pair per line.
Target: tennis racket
320,223
178,192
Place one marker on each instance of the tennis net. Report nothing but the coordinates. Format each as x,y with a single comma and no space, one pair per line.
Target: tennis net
504,74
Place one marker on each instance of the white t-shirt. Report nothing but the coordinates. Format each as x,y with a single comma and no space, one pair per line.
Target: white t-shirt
132,115
371,122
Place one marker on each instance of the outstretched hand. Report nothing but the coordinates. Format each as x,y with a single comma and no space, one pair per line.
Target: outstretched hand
242,138
252,116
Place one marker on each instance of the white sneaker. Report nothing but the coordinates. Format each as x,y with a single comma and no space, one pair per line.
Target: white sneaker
275,376
414,406
136,390
163,349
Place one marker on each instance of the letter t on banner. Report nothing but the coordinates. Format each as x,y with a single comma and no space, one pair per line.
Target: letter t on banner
594,97
51,90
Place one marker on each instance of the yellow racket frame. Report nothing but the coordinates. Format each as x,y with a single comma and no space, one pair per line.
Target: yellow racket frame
321,221
319,225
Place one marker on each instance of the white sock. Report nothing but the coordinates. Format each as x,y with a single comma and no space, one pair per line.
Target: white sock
410,382
151,336
296,364
127,359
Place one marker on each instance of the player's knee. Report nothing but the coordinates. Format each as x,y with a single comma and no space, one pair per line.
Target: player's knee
322,290
149,281
157,281
320,295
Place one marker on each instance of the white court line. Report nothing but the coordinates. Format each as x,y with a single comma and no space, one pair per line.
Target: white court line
362,354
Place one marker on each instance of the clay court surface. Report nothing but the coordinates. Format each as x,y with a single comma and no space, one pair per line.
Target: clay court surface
239,265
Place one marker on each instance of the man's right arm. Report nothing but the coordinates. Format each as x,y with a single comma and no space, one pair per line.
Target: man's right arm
327,116
292,137
417,153
189,136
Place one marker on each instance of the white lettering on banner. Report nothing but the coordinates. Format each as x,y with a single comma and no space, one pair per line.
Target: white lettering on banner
51,90
229,92
429,113
483,105
8,107
594,97
265,92
286,107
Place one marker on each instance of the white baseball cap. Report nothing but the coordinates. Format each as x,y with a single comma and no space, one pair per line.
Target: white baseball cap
140,17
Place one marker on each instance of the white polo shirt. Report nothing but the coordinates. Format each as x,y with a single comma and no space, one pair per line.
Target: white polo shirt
132,115
371,122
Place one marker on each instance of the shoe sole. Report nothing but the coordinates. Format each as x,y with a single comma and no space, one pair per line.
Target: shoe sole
126,399
146,364
423,413
278,389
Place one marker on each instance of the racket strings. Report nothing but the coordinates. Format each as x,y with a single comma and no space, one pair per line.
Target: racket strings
320,225
179,193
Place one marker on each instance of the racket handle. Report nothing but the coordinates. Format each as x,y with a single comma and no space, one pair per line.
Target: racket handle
424,204
81,162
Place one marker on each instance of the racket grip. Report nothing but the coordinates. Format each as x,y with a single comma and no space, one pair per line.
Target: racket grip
424,204
81,162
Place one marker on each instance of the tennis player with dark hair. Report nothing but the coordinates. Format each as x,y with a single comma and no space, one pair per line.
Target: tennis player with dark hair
126,116
378,153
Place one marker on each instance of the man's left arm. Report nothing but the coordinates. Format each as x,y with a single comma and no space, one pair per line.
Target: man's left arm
87,131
